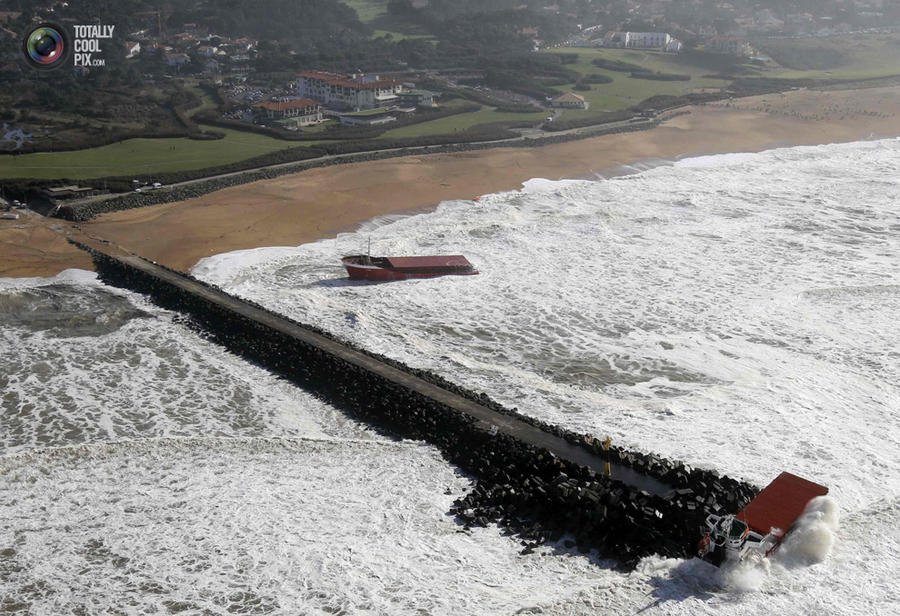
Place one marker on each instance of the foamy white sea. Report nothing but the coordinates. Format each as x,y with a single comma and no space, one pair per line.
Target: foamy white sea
737,312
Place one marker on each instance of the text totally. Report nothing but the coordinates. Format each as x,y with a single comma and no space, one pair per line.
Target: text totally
94,31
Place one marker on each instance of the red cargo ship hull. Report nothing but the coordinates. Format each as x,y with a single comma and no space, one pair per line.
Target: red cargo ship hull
364,267
780,504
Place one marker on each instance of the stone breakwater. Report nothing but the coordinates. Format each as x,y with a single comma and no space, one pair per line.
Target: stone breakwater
81,212
529,490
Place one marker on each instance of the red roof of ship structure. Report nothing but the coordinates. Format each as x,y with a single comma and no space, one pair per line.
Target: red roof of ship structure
780,504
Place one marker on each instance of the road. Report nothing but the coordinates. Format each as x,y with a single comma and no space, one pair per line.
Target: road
529,134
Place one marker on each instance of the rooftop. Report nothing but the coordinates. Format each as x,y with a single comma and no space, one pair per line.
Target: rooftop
569,97
367,112
339,79
297,103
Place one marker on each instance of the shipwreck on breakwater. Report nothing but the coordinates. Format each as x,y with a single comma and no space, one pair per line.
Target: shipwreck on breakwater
541,481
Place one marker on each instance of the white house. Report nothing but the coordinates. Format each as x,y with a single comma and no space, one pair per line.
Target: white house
417,98
177,59
642,40
132,49
647,40
730,45
302,111
674,46
569,100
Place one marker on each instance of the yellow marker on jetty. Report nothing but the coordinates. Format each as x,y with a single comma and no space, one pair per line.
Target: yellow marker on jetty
606,445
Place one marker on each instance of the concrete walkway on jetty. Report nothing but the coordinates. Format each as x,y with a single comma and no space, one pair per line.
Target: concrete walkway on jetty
485,418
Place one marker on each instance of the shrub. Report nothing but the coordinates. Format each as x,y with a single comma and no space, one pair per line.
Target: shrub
597,78
659,76
616,65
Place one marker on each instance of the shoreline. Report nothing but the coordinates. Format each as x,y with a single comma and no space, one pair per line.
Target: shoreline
320,203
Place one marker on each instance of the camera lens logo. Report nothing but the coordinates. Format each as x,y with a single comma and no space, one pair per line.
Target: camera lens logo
46,46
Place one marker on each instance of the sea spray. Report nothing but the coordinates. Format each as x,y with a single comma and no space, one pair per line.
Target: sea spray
813,535
744,576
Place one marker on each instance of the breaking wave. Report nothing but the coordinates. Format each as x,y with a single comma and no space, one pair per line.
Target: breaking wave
813,535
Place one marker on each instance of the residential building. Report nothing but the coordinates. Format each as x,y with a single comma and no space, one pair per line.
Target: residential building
132,49
177,59
211,67
730,45
300,111
348,91
614,39
244,43
416,98
642,40
647,40
569,100
674,46
54,193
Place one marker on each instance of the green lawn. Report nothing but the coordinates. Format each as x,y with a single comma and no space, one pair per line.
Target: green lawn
858,56
374,13
862,56
368,10
461,122
143,156
625,91
399,36
318,128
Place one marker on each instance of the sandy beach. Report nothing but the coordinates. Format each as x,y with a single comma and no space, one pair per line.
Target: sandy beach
319,203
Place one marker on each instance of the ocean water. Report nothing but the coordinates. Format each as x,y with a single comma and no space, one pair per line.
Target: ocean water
736,312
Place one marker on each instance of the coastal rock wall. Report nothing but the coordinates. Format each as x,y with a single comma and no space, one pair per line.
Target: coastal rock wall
528,490
81,212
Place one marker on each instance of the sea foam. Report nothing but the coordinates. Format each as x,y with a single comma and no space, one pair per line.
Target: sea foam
734,312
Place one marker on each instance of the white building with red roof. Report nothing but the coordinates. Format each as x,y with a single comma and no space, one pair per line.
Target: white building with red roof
342,91
302,111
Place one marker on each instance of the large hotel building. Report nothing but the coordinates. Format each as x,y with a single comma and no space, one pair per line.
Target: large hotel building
352,92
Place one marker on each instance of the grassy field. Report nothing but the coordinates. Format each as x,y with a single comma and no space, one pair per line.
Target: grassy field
841,57
148,156
461,122
625,91
368,10
399,36
143,156
374,13
853,56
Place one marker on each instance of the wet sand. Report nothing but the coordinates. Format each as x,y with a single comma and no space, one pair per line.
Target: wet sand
320,203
